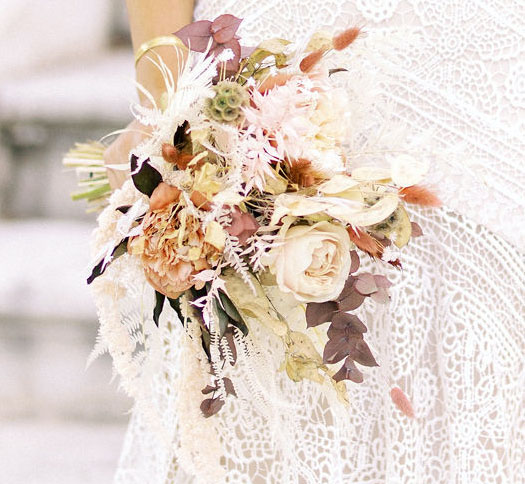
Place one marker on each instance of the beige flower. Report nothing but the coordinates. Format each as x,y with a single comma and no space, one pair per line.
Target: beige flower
173,250
311,261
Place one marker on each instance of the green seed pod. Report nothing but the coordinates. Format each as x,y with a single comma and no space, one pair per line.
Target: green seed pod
226,106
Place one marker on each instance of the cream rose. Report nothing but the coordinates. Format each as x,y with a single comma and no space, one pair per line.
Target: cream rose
311,261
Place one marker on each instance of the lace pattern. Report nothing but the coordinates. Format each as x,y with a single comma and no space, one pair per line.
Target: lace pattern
454,333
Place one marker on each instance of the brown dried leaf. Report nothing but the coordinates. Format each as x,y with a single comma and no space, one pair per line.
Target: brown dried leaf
361,353
349,372
211,406
335,350
208,389
195,35
366,284
351,302
355,261
228,386
347,321
417,231
319,313
224,28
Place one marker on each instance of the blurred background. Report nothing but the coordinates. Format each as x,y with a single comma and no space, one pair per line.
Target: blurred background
65,75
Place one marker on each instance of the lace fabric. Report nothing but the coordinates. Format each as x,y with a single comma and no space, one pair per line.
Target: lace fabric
453,335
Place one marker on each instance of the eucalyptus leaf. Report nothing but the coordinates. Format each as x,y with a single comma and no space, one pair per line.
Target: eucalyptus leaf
223,317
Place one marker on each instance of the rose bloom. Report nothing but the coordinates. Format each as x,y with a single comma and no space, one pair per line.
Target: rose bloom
173,250
311,261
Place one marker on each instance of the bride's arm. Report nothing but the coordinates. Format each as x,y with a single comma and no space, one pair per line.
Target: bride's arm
153,18
148,19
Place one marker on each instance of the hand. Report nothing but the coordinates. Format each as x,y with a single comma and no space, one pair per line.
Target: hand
118,152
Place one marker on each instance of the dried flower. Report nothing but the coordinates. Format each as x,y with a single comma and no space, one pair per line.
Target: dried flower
309,62
402,402
163,195
364,241
169,153
344,39
243,225
420,196
173,249
301,173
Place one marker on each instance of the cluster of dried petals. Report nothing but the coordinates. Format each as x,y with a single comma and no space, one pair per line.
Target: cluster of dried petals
302,174
173,250
243,225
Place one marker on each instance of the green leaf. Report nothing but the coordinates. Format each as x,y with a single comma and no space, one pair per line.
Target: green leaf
175,304
233,313
147,178
158,307
120,249
223,317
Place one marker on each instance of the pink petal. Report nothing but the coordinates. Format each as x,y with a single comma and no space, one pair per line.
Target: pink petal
224,28
402,402
196,36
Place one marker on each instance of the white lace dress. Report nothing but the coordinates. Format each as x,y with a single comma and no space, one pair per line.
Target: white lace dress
453,336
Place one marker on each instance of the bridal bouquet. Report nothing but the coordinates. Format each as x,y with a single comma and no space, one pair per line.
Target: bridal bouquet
247,205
